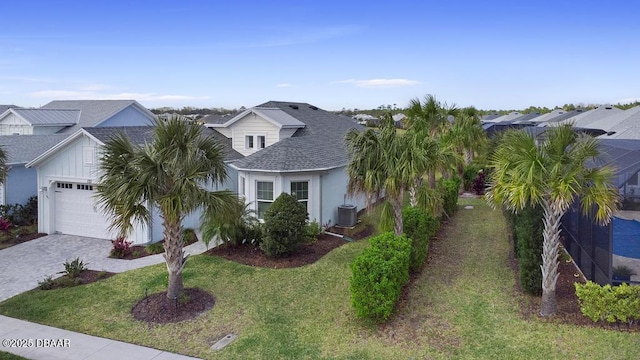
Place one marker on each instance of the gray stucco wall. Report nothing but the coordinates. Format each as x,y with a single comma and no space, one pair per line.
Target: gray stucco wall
333,190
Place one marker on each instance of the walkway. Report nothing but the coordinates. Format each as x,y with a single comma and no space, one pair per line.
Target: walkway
23,265
45,342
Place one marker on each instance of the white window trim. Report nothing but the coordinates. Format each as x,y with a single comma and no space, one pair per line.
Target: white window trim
258,200
255,141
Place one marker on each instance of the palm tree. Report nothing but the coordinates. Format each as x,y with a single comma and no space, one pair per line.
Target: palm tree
429,118
551,174
3,166
170,173
381,162
466,136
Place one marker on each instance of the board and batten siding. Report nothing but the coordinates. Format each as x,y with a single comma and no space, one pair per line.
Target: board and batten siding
253,125
74,163
13,124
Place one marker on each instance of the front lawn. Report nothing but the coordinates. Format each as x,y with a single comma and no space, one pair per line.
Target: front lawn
462,306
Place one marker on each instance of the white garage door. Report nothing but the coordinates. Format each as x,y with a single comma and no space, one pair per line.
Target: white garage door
76,212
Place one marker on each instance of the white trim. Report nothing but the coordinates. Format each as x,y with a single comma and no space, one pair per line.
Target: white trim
286,171
61,145
257,111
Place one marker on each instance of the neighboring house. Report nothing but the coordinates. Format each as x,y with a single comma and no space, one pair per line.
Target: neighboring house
295,148
66,178
620,122
67,116
21,182
364,119
585,118
398,120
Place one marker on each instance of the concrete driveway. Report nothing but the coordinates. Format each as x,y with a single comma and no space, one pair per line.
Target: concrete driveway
23,265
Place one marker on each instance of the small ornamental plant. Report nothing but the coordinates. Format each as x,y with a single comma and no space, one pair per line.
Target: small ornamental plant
121,248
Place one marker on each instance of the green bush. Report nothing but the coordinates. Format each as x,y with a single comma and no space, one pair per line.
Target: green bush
155,248
21,215
470,173
285,226
378,275
609,303
449,191
73,269
312,231
189,236
46,284
419,227
529,228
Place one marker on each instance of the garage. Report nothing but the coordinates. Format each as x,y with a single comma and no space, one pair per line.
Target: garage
76,212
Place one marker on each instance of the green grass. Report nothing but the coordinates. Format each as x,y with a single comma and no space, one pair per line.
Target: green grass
463,306
10,356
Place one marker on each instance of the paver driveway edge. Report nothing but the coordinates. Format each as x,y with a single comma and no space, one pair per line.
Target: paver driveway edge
23,265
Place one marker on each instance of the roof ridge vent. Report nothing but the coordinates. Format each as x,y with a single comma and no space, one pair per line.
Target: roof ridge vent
313,107
295,107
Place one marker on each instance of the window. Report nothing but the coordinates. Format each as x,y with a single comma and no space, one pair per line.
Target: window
300,191
64,186
84,187
248,142
243,189
264,190
262,142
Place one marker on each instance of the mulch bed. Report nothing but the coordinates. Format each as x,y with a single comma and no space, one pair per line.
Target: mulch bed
568,306
157,308
140,251
19,240
253,256
85,277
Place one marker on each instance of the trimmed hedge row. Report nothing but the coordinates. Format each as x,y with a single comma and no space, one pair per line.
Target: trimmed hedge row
527,228
609,303
378,275
449,189
420,227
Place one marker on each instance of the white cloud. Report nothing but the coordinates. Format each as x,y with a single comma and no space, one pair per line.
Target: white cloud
380,83
284,85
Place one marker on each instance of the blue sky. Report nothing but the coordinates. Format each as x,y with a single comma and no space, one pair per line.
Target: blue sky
333,54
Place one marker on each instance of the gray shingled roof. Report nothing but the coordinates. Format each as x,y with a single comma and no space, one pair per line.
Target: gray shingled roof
4,108
218,118
319,145
92,112
49,117
620,121
584,119
21,149
144,134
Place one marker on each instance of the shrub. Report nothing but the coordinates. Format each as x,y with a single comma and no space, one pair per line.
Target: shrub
419,227
46,284
19,214
609,303
5,225
121,248
470,173
479,183
189,236
155,248
284,224
73,269
378,275
529,227
312,231
235,227
449,192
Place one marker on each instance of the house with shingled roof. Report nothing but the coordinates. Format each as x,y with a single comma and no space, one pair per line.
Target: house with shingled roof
68,172
53,122
291,147
67,116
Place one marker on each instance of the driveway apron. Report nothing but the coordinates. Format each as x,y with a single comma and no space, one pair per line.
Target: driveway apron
23,265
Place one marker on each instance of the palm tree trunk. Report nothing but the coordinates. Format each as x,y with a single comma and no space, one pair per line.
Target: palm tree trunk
413,191
550,245
174,257
461,176
432,179
396,203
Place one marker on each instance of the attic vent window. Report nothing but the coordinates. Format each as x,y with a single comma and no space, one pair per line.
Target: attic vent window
313,107
293,106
